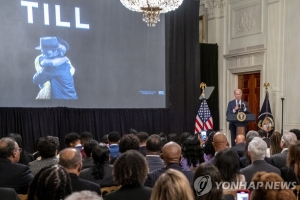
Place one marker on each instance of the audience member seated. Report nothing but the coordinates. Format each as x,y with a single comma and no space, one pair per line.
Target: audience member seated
130,171
173,137
143,136
129,142
84,195
264,180
172,185
240,145
153,151
132,131
51,182
257,152
164,139
246,160
25,157
113,140
279,160
101,172
105,139
171,154
88,161
215,193
296,132
73,140
264,135
183,137
192,153
275,147
208,148
13,174
219,143
227,161
47,148
70,159
85,137
251,134
291,172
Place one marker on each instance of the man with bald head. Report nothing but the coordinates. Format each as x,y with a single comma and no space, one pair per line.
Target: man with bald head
240,145
219,143
233,107
171,154
71,160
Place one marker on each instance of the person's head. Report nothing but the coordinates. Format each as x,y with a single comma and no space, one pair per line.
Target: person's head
105,139
84,195
257,149
209,148
296,132
251,134
162,135
227,161
183,137
171,153
130,169
240,139
50,183
63,46
192,151
172,185
143,136
100,156
286,139
173,137
220,141
17,137
89,146
49,47
72,139
132,131
293,158
10,149
85,137
238,94
208,169
113,137
129,142
153,145
71,160
275,141
262,133
47,147
263,180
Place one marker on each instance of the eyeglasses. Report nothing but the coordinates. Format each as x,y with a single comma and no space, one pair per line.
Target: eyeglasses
20,149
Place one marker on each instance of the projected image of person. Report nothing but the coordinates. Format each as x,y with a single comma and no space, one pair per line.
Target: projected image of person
54,70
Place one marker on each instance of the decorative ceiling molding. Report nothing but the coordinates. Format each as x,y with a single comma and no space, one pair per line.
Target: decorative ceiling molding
215,8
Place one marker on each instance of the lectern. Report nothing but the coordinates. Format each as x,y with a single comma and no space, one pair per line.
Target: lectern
240,120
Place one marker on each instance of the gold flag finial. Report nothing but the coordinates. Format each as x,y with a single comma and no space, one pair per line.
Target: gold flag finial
203,86
266,85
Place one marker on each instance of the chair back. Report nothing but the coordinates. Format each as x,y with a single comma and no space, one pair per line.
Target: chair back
109,189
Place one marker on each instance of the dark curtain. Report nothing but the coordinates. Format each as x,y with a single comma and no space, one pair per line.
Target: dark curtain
183,76
209,75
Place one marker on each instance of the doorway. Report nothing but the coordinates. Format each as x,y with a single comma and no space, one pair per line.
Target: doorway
250,85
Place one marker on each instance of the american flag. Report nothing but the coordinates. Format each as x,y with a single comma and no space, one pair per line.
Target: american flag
204,119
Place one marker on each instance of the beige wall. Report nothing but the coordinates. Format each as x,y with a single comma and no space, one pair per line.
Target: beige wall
258,35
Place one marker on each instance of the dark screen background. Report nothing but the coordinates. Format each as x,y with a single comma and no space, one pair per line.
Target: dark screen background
115,59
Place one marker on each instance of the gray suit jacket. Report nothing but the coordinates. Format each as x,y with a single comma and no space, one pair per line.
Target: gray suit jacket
279,160
258,166
154,162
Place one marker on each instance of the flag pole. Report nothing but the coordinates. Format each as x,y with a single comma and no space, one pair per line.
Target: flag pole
282,99
266,85
202,86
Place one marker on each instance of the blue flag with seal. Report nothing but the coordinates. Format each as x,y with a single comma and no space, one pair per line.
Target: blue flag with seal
265,118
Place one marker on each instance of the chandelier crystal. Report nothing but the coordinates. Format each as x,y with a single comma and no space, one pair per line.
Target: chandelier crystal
151,9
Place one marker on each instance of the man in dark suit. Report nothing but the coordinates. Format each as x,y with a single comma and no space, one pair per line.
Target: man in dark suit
171,154
219,143
12,174
143,136
257,151
71,160
279,160
240,145
88,161
233,107
153,151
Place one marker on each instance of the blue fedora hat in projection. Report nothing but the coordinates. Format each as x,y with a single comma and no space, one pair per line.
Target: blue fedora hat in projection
48,43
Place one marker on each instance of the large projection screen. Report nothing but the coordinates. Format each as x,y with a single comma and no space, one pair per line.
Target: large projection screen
81,54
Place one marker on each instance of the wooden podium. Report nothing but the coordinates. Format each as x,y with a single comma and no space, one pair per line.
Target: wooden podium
240,123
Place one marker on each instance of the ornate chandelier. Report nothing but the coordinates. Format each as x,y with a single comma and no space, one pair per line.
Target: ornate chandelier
151,9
